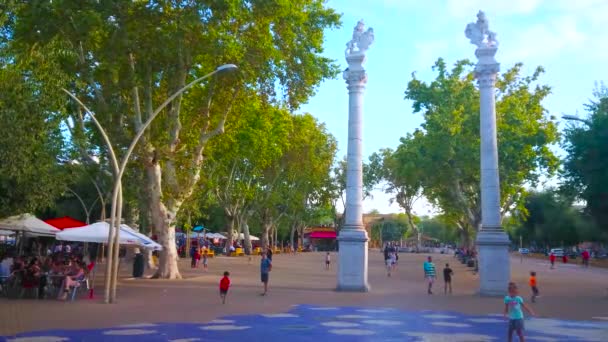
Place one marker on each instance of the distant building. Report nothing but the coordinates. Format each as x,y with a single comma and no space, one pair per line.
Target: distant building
320,238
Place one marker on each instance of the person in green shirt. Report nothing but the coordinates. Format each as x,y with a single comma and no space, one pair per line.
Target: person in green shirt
429,273
513,308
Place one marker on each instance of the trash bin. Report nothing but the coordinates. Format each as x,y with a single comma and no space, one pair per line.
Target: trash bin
138,264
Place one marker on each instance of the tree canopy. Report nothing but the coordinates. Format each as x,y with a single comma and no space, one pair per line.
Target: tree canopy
585,170
446,149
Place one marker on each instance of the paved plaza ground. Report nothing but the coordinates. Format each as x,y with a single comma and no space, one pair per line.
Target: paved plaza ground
302,305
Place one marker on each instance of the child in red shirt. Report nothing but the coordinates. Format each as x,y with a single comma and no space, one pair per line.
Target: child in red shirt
224,285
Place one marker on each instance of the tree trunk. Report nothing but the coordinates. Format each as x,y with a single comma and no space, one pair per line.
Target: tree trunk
292,235
167,268
265,229
275,229
300,232
229,232
163,220
410,220
149,261
247,242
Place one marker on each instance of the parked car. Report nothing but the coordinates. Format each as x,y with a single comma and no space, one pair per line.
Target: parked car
524,251
558,252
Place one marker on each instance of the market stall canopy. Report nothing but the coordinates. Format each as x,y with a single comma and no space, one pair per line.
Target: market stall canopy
215,236
6,232
65,222
323,235
199,228
98,233
29,224
251,237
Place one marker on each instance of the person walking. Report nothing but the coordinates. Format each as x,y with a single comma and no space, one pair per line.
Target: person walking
429,273
585,255
265,268
447,279
533,286
193,253
389,264
552,260
327,261
205,260
224,286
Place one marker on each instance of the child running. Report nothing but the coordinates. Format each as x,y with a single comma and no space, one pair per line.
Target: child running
533,286
513,308
224,286
327,261
205,260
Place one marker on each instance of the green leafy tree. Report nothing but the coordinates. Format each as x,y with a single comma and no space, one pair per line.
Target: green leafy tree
399,169
585,168
372,175
31,146
448,143
552,220
438,228
123,58
391,228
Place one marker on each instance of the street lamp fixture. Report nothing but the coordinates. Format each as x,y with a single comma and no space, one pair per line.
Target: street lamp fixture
226,67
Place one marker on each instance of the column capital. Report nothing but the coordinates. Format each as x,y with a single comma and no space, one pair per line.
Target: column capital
486,74
355,77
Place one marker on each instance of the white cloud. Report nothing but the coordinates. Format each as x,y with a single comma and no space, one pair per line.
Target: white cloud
544,40
469,8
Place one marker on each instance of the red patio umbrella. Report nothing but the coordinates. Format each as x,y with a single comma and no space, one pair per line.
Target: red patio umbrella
65,222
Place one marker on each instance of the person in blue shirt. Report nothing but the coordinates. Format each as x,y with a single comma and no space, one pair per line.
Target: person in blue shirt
429,273
513,308
265,268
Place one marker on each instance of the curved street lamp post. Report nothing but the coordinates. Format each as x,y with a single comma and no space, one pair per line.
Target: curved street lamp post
116,211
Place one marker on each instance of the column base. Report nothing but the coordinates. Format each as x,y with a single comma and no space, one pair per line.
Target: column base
493,261
352,255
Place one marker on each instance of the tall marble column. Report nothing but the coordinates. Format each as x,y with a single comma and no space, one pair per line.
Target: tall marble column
492,241
352,268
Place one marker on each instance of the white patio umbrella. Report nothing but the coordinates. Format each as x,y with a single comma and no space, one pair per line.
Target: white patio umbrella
147,242
215,236
98,233
29,224
6,232
251,237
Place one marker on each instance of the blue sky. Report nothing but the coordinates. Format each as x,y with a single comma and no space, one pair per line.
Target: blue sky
567,37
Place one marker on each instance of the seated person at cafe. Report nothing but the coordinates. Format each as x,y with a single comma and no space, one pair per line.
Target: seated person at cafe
18,265
31,276
5,267
75,273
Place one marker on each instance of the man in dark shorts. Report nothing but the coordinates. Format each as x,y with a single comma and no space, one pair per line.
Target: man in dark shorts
447,278
265,268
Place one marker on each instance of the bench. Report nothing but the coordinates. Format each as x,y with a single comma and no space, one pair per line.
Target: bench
238,252
257,251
